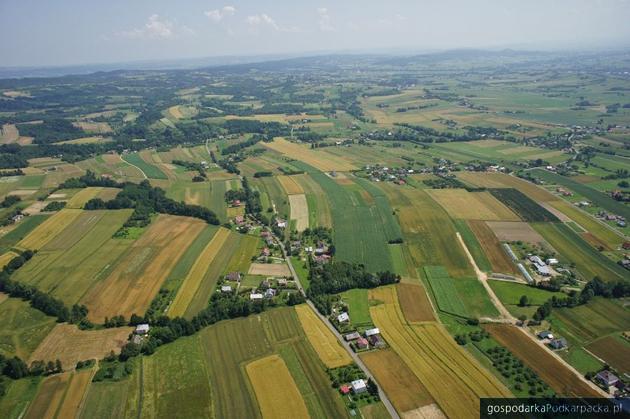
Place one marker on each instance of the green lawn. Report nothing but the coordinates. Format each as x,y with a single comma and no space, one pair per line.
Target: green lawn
510,294
22,328
473,245
151,171
358,307
445,291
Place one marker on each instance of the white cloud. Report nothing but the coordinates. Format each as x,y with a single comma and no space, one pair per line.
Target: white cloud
156,28
217,15
263,19
324,20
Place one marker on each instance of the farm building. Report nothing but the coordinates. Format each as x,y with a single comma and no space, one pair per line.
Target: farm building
362,343
226,288
376,341
559,343
372,332
359,386
270,293
352,336
552,261
536,260
543,270
545,334
233,276
607,378
142,329
526,274
343,317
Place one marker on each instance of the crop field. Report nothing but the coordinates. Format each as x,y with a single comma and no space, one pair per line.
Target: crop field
473,245
21,230
321,160
78,257
451,376
151,171
553,372
6,258
587,322
197,272
276,391
45,232
498,258
526,208
414,303
329,350
500,180
278,200
614,350
460,203
299,211
444,291
510,231
571,246
269,269
290,184
19,395
138,275
360,229
22,327
428,231
79,199
49,397
242,258
598,198
400,384
71,345
601,232
77,387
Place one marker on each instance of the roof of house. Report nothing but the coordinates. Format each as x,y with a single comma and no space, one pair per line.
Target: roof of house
358,384
607,376
255,296
343,317
142,327
226,288
352,336
345,389
362,342
371,332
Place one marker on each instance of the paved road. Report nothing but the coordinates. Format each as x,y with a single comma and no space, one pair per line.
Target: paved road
355,357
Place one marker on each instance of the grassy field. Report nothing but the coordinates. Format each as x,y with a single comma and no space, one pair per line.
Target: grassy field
362,222
598,198
299,211
78,257
22,328
47,230
19,395
18,233
317,200
614,350
328,349
549,369
451,376
573,248
268,375
139,273
510,294
428,231
197,272
358,309
151,171
473,245
444,291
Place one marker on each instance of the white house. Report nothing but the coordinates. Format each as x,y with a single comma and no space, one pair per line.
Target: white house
226,288
343,317
371,332
142,329
552,261
359,386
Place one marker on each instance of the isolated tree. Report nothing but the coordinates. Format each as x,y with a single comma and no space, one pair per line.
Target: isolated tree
524,301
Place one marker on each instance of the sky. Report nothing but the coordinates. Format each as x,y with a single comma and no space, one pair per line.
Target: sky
70,32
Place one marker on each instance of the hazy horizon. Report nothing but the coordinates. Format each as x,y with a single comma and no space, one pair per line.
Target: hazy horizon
70,32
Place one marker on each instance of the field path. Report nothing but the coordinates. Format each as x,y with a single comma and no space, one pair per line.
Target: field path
388,404
483,278
507,317
131,164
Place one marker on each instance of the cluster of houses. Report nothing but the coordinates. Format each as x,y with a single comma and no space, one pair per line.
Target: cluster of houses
620,220
542,268
318,251
371,338
552,341
380,173
140,333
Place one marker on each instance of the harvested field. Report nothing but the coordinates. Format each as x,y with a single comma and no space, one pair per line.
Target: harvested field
452,377
414,303
269,269
49,397
551,370
400,384
614,351
500,180
509,231
10,134
137,277
79,199
75,394
498,258
290,185
299,211
460,203
276,391
330,351
6,258
95,127
71,345
319,159
197,274
49,229
431,411
35,208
